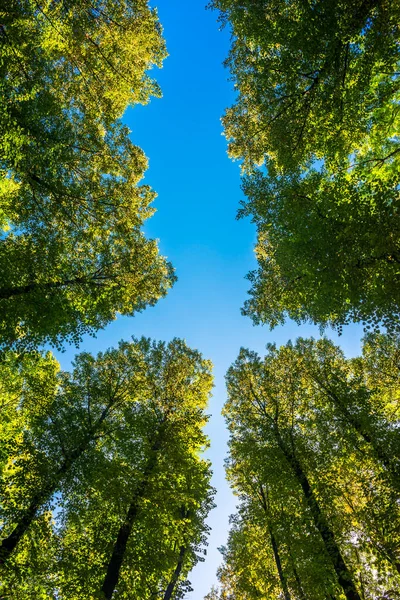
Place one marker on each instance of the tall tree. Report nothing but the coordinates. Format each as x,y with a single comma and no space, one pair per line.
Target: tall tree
73,412
71,203
175,436
328,241
311,458
312,77
316,126
58,287
116,450
28,384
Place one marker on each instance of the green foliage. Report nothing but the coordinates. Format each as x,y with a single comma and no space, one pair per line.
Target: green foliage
328,243
316,124
315,460
65,285
71,204
311,76
27,386
84,459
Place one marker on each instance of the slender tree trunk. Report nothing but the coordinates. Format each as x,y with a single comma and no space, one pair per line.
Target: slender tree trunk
176,574
300,590
114,565
6,293
343,574
274,544
119,550
377,449
9,544
282,577
301,593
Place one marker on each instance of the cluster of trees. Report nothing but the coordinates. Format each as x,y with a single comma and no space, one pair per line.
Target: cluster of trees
315,461
103,490
316,126
314,437
72,253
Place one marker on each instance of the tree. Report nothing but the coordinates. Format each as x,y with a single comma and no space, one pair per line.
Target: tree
174,438
81,54
313,78
116,451
71,203
74,412
313,458
27,384
316,124
328,243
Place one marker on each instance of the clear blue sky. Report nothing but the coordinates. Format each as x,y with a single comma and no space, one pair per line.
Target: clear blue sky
199,193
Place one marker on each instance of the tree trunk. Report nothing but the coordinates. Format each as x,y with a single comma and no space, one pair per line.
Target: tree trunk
300,590
274,544
119,550
343,574
6,293
301,593
9,544
176,575
282,577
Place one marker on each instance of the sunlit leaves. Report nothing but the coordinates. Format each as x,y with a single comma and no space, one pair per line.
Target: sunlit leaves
316,124
313,434
88,452
72,202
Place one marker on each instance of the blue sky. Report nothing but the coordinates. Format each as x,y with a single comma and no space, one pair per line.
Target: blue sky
198,195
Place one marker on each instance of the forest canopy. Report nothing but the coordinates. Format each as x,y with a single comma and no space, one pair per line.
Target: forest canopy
104,492
72,252
316,126
315,461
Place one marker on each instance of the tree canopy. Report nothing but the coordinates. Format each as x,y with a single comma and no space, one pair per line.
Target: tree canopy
72,251
312,77
328,244
104,488
316,127
315,460
104,491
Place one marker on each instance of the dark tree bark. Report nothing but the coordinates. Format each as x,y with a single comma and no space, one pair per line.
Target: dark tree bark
119,550
9,543
7,293
176,574
343,574
282,577
275,547
300,590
